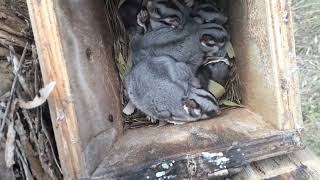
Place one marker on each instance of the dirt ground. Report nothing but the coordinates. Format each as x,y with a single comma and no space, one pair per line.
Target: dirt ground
307,36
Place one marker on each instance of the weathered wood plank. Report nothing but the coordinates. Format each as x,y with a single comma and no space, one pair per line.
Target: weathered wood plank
261,33
239,135
300,165
211,162
53,68
74,47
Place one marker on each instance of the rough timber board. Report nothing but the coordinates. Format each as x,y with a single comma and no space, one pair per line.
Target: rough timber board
239,134
263,40
53,68
209,163
75,51
300,165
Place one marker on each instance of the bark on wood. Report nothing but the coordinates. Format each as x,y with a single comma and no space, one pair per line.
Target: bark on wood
14,29
5,173
6,77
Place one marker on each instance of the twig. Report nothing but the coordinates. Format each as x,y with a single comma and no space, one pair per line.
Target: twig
21,173
29,122
11,31
35,66
22,81
24,161
50,143
4,119
24,86
5,96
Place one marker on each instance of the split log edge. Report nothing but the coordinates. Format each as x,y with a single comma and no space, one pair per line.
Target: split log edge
212,162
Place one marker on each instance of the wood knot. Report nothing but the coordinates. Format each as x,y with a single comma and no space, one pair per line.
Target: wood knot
110,118
89,54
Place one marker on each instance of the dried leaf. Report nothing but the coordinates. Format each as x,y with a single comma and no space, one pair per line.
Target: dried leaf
23,159
38,101
233,86
24,85
121,66
20,129
129,62
13,59
10,146
129,109
230,103
230,50
213,60
216,89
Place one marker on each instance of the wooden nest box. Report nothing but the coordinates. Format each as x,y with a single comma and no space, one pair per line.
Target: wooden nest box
75,50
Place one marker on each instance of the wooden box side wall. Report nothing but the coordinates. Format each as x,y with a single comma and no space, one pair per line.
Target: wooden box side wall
263,40
74,45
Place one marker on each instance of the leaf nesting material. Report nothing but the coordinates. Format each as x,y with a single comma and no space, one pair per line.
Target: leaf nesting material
10,146
230,50
212,60
233,85
216,89
129,109
121,66
228,103
38,101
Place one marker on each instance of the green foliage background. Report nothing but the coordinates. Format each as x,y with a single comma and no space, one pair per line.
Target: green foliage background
307,35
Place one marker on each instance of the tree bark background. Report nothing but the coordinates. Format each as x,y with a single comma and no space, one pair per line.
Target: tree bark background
5,173
15,30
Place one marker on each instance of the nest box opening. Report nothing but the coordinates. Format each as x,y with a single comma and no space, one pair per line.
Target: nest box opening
270,105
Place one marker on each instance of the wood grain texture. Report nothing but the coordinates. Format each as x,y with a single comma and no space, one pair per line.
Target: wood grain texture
74,47
240,135
53,68
285,65
300,165
263,40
